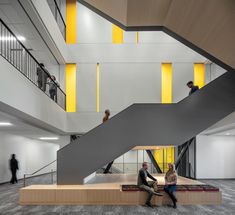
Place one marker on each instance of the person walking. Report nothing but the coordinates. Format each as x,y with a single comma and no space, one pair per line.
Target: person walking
106,118
13,167
193,87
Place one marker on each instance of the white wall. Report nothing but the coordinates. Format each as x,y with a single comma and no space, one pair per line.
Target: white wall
213,71
89,31
123,84
215,157
31,154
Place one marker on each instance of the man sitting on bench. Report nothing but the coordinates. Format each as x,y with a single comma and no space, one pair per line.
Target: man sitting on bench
145,185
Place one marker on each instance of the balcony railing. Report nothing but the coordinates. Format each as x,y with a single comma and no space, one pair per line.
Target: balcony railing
55,6
12,49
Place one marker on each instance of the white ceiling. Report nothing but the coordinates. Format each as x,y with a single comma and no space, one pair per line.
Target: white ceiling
16,19
21,128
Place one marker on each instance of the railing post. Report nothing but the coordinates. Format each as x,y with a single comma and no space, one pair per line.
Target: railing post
52,176
24,180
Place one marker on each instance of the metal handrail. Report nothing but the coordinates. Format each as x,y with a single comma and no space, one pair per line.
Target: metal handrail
31,174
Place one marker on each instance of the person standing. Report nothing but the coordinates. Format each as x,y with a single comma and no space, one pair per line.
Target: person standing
53,84
13,167
170,183
148,186
42,77
193,88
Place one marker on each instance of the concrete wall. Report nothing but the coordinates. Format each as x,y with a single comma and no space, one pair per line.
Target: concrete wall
213,71
31,154
215,156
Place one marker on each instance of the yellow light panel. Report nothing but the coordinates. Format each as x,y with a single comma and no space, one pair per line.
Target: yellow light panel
70,87
137,37
117,34
166,83
71,18
199,74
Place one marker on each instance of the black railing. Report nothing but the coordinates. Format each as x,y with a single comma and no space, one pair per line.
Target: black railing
13,50
55,6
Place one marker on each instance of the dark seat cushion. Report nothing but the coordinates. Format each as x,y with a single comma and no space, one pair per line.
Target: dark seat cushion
209,188
194,187
179,188
130,187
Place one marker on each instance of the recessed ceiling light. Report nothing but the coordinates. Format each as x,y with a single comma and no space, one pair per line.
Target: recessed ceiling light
5,124
49,138
21,38
227,133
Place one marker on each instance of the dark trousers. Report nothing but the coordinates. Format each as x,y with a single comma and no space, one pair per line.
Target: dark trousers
108,167
42,85
149,189
53,95
13,176
171,195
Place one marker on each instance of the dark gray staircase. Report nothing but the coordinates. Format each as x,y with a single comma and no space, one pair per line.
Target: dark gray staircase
146,125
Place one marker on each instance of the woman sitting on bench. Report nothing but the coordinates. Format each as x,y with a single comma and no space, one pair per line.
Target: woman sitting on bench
170,183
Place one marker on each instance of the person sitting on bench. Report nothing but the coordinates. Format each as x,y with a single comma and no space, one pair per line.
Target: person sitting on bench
145,185
170,183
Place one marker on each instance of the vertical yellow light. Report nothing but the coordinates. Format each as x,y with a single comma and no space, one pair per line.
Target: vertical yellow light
117,34
71,21
163,156
166,83
199,74
137,37
97,87
70,87
170,154
159,155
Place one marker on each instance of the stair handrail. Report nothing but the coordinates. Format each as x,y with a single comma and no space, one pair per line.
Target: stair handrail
31,174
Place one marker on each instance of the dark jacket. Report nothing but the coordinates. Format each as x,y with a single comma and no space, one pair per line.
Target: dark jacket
142,177
193,90
42,76
14,164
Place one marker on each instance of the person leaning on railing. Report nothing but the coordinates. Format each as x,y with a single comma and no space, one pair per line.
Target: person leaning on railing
42,77
53,85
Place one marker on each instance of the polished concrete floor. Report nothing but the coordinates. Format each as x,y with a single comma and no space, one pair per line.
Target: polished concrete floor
9,203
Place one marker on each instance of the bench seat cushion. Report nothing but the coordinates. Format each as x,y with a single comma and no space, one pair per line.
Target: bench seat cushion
179,188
